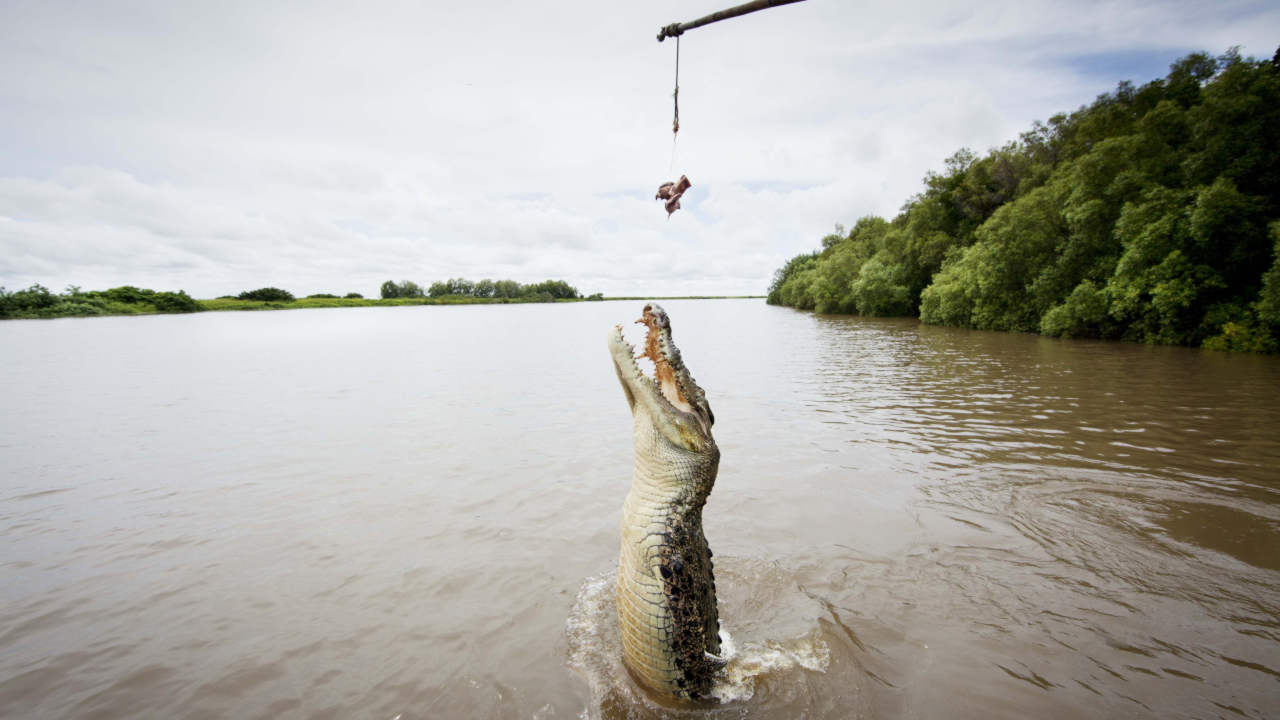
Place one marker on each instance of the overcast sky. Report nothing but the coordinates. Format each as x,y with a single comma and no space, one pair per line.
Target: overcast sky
327,147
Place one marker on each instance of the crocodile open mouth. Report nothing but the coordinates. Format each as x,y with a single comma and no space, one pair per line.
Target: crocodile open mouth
665,358
670,386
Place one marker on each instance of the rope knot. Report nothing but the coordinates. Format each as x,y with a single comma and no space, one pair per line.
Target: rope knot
672,30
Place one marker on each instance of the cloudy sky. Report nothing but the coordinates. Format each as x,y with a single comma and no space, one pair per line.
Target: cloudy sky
326,147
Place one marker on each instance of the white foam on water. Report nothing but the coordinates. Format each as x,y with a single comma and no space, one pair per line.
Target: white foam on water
592,610
595,652
744,667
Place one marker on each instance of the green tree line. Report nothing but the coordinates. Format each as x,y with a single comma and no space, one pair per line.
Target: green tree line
275,294
1152,215
38,302
547,290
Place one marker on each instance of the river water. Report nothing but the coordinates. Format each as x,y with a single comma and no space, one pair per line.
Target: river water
412,513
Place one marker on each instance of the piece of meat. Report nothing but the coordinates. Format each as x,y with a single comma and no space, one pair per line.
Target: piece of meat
671,192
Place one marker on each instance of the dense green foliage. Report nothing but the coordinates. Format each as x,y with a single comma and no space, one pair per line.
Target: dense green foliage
545,291
392,289
38,302
270,294
1152,214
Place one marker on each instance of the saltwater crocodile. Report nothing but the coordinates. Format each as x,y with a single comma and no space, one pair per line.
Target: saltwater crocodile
666,591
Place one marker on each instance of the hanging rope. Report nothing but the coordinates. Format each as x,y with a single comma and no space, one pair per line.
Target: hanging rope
675,96
675,121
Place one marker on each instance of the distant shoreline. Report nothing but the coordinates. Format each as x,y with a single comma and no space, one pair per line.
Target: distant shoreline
224,304
688,297
236,305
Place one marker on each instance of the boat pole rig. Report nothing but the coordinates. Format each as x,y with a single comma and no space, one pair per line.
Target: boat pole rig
675,30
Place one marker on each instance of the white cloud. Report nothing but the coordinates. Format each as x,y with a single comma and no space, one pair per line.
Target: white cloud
321,147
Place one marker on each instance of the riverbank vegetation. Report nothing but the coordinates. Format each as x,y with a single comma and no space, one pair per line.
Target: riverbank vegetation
268,294
38,302
1151,215
546,291
455,291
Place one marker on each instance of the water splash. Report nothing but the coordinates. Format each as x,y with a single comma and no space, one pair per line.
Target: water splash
755,660
595,653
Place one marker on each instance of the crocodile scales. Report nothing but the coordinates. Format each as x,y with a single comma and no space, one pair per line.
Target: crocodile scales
666,591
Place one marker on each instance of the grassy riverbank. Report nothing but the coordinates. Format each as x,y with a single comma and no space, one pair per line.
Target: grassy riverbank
38,302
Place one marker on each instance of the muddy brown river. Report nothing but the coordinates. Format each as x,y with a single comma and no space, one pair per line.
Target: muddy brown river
413,513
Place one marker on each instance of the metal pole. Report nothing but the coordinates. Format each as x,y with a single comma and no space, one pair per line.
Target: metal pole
677,29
